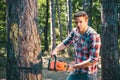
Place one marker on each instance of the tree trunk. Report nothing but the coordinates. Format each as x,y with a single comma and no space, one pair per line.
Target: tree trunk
52,25
23,46
46,27
59,21
119,18
87,6
110,55
69,12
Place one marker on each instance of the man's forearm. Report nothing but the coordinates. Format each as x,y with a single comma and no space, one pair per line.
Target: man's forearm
59,47
84,64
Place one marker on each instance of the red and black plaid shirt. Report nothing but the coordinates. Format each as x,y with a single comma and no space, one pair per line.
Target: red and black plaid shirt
86,46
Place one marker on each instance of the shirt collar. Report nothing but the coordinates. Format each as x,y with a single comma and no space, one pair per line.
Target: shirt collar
87,31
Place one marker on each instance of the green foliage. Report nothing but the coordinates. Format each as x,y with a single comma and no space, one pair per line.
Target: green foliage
2,11
77,5
41,2
42,22
119,44
96,17
2,38
2,25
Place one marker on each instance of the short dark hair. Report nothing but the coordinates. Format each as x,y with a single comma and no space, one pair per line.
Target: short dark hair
81,14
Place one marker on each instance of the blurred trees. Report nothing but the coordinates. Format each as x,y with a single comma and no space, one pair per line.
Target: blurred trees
2,27
3,37
52,24
69,16
63,21
59,19
87,6
63,18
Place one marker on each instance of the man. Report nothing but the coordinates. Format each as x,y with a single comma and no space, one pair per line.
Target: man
87,44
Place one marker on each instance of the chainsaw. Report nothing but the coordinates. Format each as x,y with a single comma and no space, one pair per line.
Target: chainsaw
57,65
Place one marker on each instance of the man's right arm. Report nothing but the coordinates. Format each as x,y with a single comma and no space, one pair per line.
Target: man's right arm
64,44
59,47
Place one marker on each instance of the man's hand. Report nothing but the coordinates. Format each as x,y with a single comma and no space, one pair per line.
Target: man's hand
54,52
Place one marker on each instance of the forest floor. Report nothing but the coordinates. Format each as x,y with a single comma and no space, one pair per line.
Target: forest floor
51,75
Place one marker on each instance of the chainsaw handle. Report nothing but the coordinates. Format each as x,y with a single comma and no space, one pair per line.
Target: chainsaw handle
55,59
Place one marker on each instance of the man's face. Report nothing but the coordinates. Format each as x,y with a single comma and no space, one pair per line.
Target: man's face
81,24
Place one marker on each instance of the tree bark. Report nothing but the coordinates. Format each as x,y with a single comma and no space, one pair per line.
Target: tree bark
69,12
59,20
119,18
46,27
23,45
110,54
52,25
87,6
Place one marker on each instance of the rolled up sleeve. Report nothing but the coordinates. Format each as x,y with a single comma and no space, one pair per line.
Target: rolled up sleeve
95,45
69,39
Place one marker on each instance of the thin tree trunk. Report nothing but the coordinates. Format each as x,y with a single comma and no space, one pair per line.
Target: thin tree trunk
52,25
69,11
119,18
46,27
59,21
110,55
23,45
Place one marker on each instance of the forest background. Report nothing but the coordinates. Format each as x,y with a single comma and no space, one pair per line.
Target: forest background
63,23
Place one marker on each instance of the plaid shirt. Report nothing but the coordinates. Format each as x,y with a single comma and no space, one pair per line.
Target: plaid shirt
86,46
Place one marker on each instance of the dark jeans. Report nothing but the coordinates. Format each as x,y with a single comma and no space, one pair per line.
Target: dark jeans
86,76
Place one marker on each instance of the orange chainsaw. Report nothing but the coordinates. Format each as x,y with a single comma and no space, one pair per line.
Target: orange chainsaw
57,65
